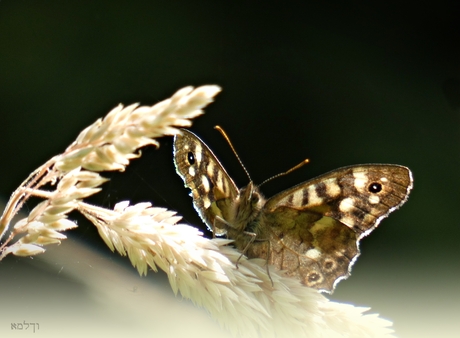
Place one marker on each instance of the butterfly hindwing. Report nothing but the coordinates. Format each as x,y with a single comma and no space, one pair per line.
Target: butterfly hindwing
316,249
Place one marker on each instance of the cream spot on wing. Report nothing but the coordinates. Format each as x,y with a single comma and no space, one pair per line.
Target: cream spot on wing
347,220
313,253
332,188
376,212
297,198
368,219
346,205
205,183
206,201
191,171
361,180
284,200
225,187
198,154
374,199
219,182
210,169
313,198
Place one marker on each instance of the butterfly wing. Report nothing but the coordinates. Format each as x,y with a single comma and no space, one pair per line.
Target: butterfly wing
212,189
314,228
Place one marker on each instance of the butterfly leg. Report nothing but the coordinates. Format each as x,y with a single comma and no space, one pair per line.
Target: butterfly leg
224,225
266,262
251,240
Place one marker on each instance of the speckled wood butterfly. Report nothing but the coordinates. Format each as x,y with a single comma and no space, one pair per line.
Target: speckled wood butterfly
312,230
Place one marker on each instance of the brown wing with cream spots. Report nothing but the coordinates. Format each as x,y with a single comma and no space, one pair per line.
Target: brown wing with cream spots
314,228
358,196
211,187
316,249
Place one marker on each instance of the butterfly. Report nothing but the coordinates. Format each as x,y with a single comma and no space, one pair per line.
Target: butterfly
310,231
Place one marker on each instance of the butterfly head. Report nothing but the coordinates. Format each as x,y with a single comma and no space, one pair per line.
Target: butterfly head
251,196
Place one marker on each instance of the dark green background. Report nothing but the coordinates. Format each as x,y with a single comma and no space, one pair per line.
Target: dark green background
337,82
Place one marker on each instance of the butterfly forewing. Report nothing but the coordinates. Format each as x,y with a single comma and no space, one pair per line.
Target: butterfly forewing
358,196
211,188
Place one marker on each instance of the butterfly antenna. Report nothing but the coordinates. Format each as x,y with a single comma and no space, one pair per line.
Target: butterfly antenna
224,134
300,165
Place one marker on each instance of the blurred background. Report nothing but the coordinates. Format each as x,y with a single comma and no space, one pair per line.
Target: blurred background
335,82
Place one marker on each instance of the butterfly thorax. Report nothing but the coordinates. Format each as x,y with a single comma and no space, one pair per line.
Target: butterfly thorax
246,208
